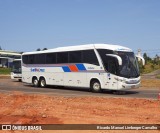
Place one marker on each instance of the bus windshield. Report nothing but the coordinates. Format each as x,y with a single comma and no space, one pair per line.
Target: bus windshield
16,68
129,67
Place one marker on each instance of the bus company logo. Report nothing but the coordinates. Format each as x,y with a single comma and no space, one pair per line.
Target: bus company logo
123,49
37,70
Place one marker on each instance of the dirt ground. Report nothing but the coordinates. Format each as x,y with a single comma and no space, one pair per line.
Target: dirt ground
24,109
20,108
150,83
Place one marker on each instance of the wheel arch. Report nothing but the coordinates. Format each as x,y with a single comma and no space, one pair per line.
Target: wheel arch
95,79
33,77
42,77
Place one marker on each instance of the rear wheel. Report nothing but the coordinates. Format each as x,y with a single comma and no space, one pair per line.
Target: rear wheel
42,82
95,86
35,82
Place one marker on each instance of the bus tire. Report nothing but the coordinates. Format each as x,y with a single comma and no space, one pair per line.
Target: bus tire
42,82
96,86
35,82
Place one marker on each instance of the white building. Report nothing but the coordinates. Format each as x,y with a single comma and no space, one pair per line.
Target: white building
7,57
140,57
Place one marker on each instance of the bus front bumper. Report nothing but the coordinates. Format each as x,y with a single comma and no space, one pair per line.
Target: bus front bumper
125,86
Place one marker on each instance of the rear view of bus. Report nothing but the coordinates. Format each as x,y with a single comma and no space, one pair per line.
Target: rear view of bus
16,72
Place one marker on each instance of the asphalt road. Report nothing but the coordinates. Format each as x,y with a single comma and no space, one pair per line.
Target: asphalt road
8,85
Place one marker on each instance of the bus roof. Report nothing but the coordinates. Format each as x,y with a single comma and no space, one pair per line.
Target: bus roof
83,47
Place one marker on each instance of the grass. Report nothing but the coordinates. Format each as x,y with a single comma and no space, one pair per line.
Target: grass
158,76
149,67
5,71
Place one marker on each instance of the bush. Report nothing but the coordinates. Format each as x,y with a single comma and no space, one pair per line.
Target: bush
5,70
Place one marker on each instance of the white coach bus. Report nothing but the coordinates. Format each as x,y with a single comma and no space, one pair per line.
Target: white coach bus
16,72
95,66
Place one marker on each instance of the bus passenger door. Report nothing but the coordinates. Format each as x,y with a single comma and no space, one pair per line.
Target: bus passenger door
111,82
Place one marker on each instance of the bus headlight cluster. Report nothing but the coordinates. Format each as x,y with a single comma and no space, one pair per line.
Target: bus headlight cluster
119,79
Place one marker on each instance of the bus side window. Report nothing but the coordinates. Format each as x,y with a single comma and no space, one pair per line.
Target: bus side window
90,57
51,58
112,67
39,59
62,57
31,59
75,57
25,59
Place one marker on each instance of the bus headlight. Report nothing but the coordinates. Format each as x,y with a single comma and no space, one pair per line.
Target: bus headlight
119,79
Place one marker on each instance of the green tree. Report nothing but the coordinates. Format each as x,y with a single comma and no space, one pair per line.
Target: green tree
38,49
147,58
141,67
152,66
45,49
157,60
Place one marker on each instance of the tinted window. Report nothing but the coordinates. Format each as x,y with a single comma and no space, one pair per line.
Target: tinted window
51,58
16,68
17,57
105,59
25,59
75,57
103,52
110,63
62,57
31,59
39,59
111,66
90,57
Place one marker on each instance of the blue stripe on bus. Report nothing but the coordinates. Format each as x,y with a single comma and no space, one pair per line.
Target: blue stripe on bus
66,69
80,67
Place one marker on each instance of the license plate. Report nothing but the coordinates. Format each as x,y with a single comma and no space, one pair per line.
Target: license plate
133,86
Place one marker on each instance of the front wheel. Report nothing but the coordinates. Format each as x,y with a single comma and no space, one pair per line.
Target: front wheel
42,82
95,86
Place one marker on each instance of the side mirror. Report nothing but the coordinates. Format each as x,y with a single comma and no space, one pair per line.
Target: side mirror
117,57
141,58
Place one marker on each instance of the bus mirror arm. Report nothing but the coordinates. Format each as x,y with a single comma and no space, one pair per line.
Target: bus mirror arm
142,59
117,57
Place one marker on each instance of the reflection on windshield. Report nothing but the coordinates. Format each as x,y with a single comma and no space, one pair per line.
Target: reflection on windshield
129,68
16,68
